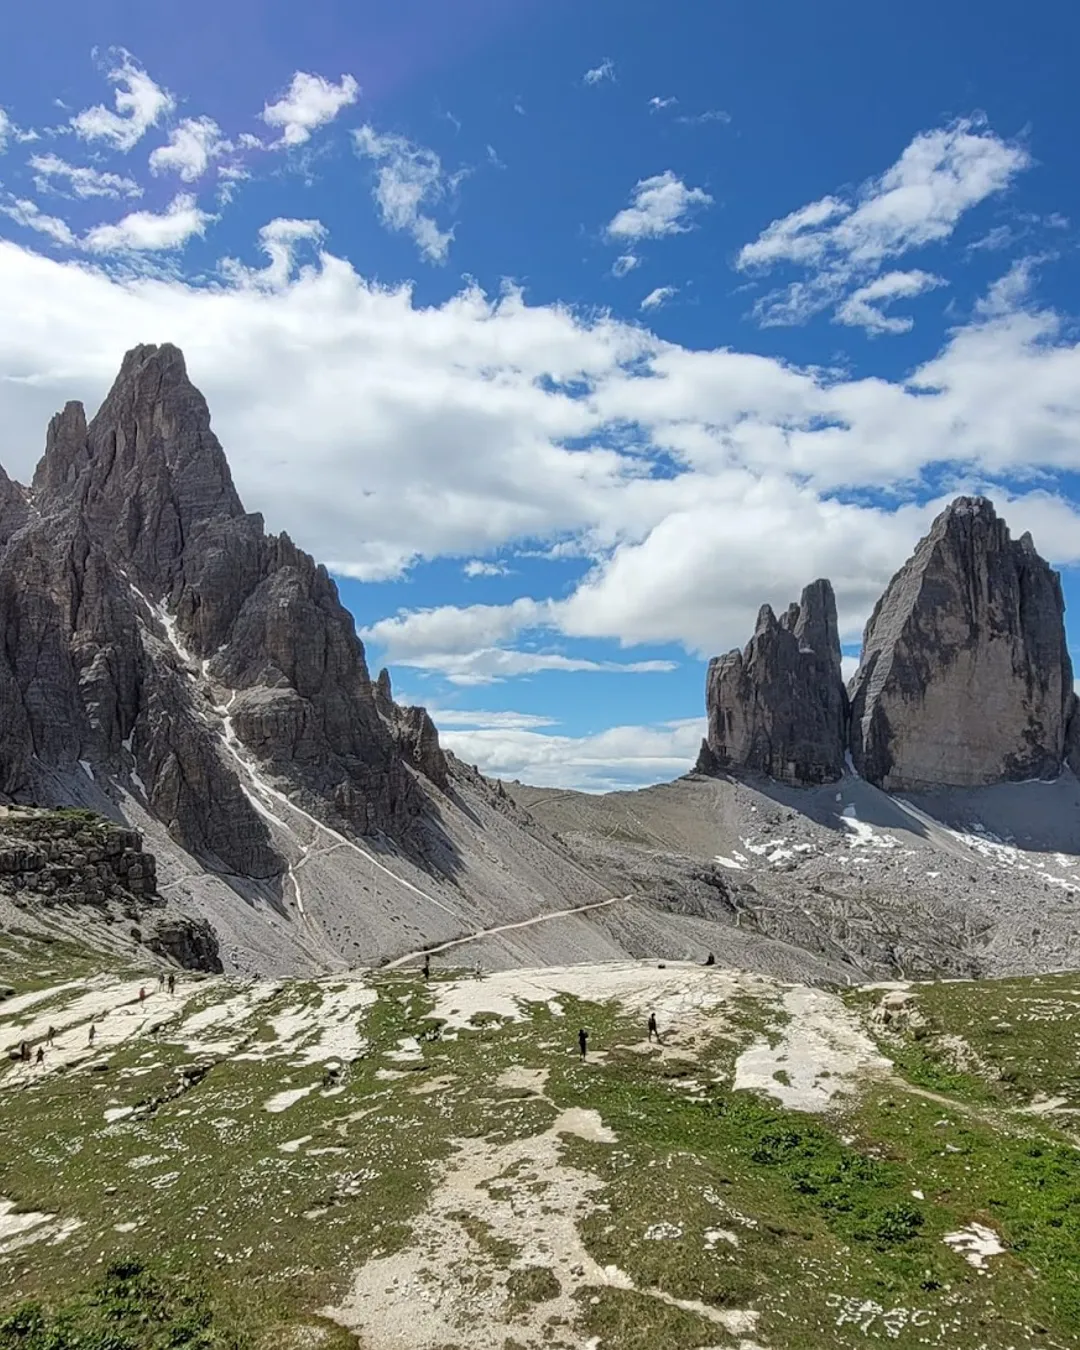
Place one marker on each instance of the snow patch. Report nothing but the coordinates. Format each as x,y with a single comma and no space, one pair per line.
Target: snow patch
975,1243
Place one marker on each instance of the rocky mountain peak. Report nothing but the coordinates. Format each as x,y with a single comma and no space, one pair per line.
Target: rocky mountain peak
965,677
778,707
147,473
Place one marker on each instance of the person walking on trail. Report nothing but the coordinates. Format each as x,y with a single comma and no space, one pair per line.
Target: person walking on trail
161,981
51,1035
583,1041
24,1052
142,993
427,967
172,983
40,1058
93,1034
653,1029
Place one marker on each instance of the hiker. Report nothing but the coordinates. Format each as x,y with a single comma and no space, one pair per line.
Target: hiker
40,1059
172,983
93,1034
653,1029
161,981
142,993
24,1052
583,1041
427,967
711,960
51,1035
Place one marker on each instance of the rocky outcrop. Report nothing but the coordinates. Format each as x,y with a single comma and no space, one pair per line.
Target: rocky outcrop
779,706
414,733
191,943
73,858
139,602
965,677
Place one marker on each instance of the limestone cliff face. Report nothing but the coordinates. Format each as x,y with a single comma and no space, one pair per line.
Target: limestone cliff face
150,626
779,706
965,677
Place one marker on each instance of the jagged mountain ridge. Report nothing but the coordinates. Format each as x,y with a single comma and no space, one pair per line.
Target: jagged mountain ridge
965,678
168,663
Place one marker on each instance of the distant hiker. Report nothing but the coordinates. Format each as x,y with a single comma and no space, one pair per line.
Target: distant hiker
142,993
711,960
93,1034
172,983
161,981
653,1029
24,1052
40,1054
51,1036
427,967
583,1041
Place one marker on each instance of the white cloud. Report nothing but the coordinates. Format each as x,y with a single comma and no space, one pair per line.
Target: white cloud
709,115
862,308
657,104
844,241
31,217
624,263
620,757
140,104
598,74
6,130
309,103
658,207
279,240
192,144
80,179
477,567
504,719
488,424
145,231
408,177
660,296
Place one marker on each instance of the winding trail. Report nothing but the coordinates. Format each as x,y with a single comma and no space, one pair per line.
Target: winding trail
399,961
231,743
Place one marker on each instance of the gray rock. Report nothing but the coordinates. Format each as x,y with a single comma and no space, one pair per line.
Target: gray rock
965,677
779,707
414,733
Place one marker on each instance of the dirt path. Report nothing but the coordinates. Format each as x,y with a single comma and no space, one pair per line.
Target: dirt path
421,952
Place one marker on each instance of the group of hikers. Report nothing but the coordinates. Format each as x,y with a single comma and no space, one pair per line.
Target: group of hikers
26,1055
654,1034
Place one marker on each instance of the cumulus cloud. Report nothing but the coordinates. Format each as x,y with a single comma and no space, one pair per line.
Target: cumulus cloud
280,241
192,144
6,129
598,74
148,232
490,424
140,105
309,103
658,206
862,308
477,567
842,242
660,296
408,176
51,173
30,216
620,757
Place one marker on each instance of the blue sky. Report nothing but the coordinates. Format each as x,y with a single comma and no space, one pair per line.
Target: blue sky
566,335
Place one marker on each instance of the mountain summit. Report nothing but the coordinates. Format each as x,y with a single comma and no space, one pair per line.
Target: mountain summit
168,663
965,678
